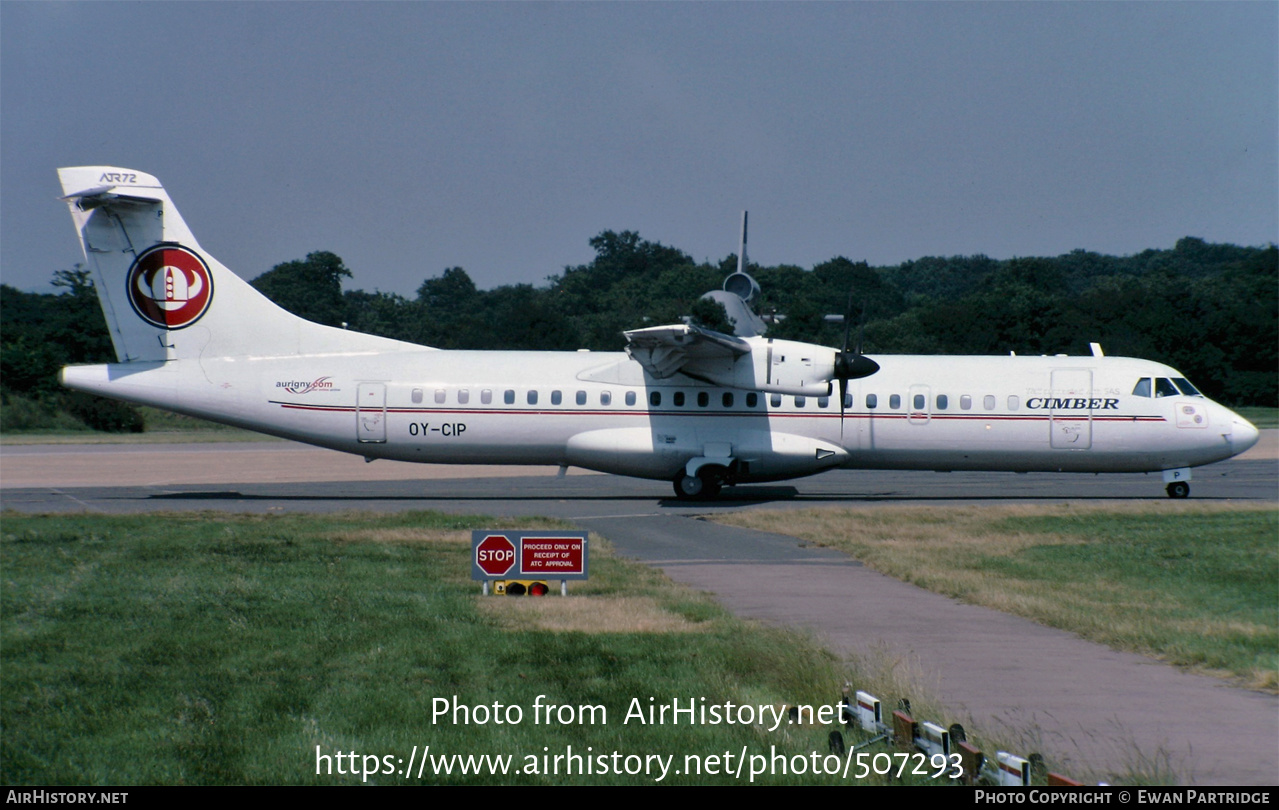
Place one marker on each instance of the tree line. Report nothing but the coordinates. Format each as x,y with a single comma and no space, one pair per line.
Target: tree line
1210,310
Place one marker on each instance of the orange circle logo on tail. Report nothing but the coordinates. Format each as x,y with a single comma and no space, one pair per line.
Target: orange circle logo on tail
170,287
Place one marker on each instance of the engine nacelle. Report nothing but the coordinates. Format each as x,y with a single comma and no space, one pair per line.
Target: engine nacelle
660,451
786,455
773,366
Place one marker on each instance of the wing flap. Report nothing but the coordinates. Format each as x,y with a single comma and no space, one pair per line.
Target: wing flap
664,350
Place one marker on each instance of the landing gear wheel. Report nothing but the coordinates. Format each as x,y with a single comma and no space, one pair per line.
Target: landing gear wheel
703,486
687,487
1178,489
710,484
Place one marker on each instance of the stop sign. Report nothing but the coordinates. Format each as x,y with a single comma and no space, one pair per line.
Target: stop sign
495,555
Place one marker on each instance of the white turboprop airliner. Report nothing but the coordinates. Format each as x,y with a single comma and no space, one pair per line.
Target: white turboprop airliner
682,404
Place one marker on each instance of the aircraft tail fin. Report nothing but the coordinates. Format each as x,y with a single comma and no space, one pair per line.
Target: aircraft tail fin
164,297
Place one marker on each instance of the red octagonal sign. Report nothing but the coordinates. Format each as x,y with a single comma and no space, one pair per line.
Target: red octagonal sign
495,555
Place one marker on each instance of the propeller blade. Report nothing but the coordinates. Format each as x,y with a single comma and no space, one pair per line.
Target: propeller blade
843,397
848,321
851,365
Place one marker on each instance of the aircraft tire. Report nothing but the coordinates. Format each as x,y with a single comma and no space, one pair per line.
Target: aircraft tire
710,489
688,487
712,482
704,486
1178,489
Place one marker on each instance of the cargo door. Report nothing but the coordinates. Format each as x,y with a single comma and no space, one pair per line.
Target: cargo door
370,412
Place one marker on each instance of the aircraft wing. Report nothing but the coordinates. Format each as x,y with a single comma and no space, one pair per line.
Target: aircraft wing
665,350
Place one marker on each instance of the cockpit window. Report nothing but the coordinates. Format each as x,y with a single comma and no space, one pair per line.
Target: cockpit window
1142,388
1164,387
1185,387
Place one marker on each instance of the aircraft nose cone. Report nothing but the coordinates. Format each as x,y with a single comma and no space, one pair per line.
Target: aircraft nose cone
1243,436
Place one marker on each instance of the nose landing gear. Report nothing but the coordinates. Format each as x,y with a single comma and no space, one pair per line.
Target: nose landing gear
1178,489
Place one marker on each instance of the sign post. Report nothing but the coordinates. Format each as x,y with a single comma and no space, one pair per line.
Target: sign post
499,555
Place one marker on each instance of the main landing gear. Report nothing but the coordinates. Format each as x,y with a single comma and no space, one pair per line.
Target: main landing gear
704,486
1178,489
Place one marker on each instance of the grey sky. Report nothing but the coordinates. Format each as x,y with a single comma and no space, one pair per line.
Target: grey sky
411,137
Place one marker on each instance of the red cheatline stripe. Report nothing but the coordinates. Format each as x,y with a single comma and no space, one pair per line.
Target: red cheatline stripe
624,411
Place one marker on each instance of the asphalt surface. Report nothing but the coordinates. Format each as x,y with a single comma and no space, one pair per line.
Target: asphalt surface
1087,708
272,476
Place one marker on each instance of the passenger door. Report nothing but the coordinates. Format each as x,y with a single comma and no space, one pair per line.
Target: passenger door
1070,428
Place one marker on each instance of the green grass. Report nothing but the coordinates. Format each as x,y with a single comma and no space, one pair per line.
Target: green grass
211,649
1205,586
1196,585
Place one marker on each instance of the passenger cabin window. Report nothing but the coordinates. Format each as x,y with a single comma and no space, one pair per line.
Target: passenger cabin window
752,400
655,398
486,396
848,401
606,398
872,401
1142,388
532,397
630,397
703,399
556,397
439,396
801,402
581,398
943,402
988,402
919,402
678,399
1013,403
775,400
823,402
508,396
727,400
463,396
895,401
417,396
966,402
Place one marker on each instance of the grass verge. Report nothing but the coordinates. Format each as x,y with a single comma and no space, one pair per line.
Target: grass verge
1194,584
213,649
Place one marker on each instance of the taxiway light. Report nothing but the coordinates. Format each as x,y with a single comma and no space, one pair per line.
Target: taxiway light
520,587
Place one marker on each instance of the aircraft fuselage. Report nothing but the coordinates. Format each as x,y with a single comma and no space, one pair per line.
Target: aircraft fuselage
601,411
